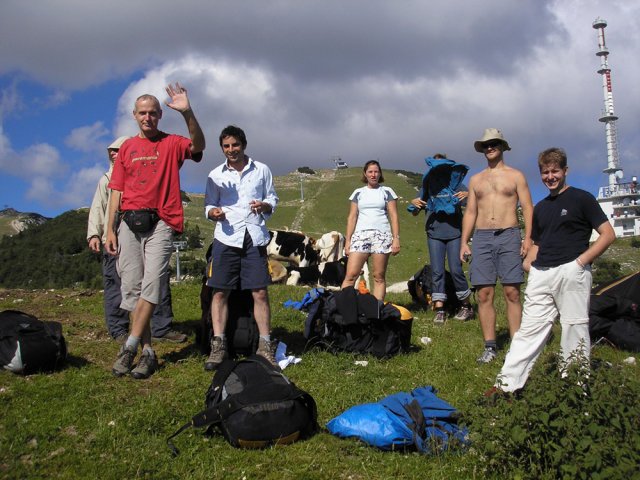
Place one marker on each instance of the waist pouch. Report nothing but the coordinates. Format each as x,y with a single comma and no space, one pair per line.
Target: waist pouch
140,221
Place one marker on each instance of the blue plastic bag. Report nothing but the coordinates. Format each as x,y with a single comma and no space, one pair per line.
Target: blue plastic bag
418,419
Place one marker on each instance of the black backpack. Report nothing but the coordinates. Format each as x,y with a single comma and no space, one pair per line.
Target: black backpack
241,330
29,345
254,405
420,287
350,321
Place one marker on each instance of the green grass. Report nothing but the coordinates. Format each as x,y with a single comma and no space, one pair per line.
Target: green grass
82,422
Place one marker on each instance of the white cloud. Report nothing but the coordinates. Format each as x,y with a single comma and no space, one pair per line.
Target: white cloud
85,139
362,79
56,99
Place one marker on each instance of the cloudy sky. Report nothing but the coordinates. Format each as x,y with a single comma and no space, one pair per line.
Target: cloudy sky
391,80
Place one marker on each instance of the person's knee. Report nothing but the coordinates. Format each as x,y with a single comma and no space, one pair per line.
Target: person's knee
350,278
512,294
484,295
260,296
219,297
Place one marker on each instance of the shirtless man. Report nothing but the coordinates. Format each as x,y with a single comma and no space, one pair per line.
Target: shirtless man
498,249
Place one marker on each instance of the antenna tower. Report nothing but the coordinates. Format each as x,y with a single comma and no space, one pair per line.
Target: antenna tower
608,116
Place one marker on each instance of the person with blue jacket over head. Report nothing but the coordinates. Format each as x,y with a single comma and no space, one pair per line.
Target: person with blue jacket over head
441,196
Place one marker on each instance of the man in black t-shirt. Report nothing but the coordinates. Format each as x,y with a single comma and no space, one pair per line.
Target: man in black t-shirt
559,266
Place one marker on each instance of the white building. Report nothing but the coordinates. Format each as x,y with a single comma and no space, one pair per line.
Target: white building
621,203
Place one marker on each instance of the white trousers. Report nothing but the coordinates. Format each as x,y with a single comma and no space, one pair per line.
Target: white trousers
551,292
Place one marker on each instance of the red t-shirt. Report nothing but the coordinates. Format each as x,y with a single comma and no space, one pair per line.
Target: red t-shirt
147,172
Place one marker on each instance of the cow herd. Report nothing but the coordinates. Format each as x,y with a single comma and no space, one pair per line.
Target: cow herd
310,262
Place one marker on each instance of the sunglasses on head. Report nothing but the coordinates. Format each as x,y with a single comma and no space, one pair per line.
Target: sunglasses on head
492,144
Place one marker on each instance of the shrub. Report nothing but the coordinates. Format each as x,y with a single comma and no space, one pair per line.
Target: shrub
605,270
575,427
306,170
635,242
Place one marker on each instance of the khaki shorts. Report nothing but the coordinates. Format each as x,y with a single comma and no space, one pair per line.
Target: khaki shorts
143,263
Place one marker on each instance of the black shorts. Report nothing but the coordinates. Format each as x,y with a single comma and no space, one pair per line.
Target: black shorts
246,268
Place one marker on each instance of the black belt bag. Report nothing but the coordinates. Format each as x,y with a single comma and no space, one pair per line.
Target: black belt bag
140,221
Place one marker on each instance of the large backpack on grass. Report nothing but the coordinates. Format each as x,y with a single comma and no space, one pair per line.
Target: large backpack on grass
420,287
29,345
254,405
241,330
349,321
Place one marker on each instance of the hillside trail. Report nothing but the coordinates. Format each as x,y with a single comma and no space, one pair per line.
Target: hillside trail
310,202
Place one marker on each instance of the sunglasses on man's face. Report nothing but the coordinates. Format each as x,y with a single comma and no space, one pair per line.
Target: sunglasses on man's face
493,144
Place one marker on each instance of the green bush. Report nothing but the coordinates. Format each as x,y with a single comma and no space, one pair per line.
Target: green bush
571,428
635,242
605,270
307,170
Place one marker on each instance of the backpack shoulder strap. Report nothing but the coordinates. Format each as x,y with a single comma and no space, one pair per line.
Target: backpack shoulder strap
211,414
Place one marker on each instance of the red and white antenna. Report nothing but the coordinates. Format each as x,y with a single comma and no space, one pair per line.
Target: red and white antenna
608,116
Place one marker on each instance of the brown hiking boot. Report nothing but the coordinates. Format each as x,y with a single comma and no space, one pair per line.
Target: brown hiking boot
218,353
496,393
465,313
172,336
266,349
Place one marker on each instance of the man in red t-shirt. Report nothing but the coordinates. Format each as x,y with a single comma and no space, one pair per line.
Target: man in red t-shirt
145,195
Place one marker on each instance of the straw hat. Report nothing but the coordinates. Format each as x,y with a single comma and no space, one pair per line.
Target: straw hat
491,134
117,143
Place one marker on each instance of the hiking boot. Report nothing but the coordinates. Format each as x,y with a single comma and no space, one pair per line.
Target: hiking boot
123,363
266,350
496,393
147,364
218,353
465,313
172,336
121,338
488,356
440,317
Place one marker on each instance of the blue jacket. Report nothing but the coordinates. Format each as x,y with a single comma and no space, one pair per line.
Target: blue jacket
440,183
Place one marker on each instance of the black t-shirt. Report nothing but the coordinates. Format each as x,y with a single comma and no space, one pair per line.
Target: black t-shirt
562,226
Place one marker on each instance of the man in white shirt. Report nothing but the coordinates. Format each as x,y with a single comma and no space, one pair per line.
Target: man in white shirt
239,197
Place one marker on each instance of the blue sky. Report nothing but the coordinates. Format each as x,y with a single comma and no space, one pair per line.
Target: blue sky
396,81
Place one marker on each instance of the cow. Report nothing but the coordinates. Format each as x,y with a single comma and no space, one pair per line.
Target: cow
325,274
277,271
292,247
330,247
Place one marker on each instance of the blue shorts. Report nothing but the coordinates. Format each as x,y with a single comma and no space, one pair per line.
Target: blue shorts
233,267
496,254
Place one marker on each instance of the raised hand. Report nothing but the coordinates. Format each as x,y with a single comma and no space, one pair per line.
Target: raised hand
179,98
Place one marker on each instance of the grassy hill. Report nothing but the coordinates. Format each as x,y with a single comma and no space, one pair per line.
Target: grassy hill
82,422
325,208
13,222
54,254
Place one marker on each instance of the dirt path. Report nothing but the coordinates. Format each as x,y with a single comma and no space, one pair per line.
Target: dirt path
310,202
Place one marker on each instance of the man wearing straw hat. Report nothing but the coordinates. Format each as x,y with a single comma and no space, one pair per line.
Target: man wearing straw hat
498,248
